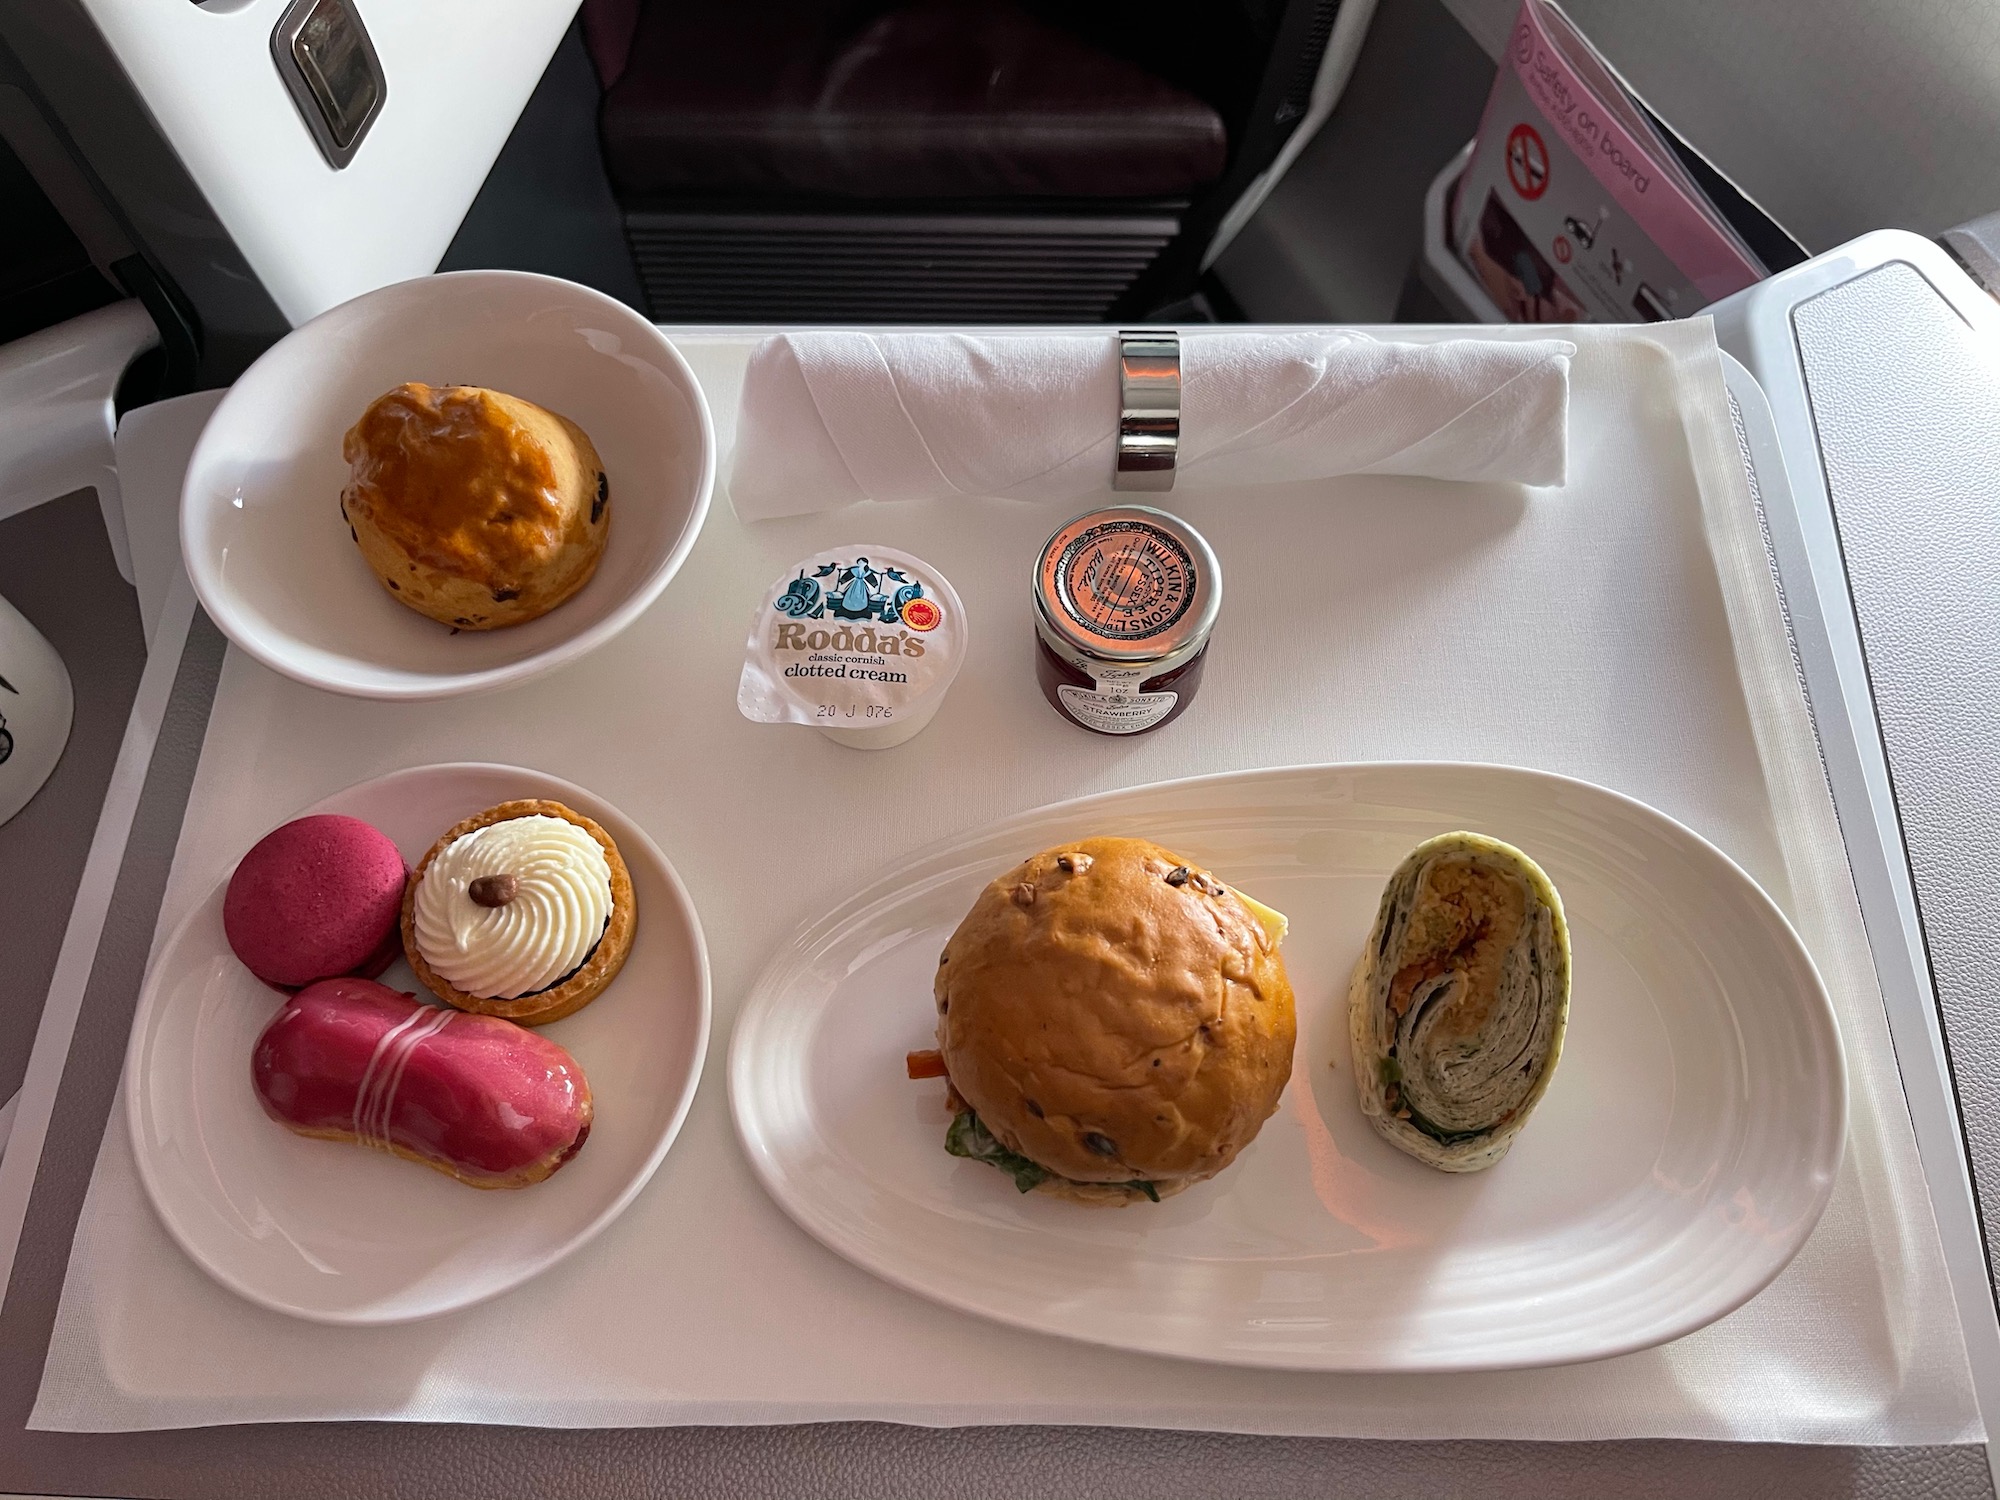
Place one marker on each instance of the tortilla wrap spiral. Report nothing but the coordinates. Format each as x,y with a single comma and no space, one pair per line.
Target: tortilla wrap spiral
1457,1009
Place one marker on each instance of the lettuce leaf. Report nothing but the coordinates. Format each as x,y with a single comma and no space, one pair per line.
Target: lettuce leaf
969,1138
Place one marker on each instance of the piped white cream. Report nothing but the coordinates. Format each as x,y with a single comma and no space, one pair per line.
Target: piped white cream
561,903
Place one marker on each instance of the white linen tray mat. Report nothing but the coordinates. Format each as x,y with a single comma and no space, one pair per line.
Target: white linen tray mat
1586,630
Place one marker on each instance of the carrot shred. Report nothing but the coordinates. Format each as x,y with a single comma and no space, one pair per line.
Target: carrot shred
926,1064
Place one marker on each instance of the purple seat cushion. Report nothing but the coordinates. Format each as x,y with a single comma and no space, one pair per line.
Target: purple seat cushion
933,99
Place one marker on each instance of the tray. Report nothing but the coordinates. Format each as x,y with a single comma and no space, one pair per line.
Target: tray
1623,630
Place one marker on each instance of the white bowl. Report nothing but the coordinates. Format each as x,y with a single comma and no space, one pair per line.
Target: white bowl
261,529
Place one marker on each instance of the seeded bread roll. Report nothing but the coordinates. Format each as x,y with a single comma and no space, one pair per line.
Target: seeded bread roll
1117,1015
474,507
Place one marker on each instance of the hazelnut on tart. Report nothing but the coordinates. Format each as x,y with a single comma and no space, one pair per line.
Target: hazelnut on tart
523,911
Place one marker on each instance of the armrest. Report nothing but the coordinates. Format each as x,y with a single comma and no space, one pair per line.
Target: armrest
57,420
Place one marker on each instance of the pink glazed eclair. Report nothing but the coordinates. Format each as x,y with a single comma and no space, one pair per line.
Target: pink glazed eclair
475,1097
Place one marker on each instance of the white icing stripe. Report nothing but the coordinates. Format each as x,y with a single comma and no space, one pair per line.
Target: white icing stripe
375,1100
561,905
391,1077
413,1039
383,1046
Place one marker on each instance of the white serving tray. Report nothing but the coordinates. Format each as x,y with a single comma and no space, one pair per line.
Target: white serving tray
1622,629
1684,1151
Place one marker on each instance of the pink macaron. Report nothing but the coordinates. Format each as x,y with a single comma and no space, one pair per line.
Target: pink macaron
317,898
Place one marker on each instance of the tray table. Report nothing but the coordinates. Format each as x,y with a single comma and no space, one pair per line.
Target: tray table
1676,594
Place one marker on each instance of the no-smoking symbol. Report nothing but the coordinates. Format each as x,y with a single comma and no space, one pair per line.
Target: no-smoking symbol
1527,162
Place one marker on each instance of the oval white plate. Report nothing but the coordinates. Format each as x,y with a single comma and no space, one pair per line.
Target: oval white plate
1682,1154
329,1231
271,558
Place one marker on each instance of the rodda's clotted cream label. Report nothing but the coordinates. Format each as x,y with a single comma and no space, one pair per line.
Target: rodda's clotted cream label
861,641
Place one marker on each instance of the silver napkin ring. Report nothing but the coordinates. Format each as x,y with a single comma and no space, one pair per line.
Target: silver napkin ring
1149,409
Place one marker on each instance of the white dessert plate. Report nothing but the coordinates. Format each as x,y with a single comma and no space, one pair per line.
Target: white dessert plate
1683,1153
330,1231
261,529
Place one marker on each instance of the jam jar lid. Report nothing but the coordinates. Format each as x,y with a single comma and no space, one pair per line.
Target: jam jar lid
1127,585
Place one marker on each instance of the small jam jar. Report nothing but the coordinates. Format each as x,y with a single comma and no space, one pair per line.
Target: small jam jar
1125,599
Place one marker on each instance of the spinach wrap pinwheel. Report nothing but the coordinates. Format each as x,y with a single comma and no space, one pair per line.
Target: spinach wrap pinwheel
1458,1005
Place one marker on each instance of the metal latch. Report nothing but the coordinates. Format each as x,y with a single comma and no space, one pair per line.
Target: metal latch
328,63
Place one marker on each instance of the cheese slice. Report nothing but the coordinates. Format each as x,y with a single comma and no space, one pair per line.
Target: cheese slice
1273,922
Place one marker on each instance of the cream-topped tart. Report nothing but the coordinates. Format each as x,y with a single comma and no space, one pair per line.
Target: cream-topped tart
523,911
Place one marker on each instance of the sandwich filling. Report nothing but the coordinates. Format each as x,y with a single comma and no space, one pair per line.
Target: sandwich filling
969,1138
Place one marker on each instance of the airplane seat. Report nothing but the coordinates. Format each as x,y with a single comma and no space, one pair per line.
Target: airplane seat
935,99
938,160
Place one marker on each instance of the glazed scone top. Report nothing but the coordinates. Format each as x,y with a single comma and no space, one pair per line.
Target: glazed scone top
1114,1013
456,479
557,888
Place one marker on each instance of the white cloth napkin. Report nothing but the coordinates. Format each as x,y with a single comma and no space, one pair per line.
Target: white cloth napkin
831,418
